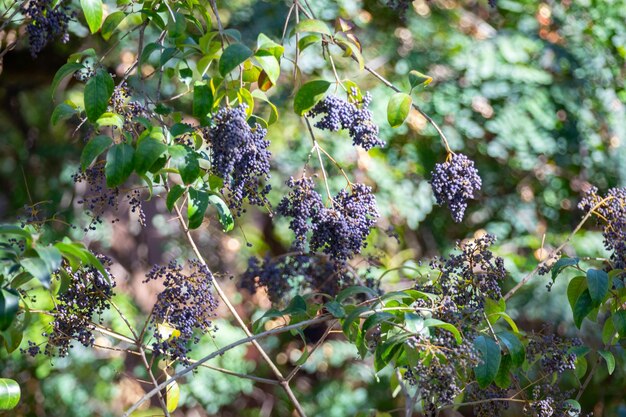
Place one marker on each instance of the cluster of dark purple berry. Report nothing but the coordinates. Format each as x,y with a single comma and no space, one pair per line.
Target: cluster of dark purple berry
339,231
466,279
183,309
97,197
439,375
454,182
553,352
613,212
87,296
47,21
353,116
285,276
240,157
130,110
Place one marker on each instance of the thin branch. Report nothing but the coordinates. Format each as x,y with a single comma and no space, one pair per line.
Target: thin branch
238,318
154,381
253,338
555,251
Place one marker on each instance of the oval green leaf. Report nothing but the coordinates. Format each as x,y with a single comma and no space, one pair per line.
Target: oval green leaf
489,354
9,394
119,164
111,22
223,213
98,91
398,109
196,207
64,71
9,302
93,149
234,55
312,25
147,153
598,283
309,95
92,9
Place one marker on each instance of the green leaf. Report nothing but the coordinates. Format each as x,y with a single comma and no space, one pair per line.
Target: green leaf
223,213
62,111
110,119
514,347
111,22
619,322
185,160
37,268
234,55
297,305
147,153
93,149
417,78
172,197
562,264
335,309
609,359
93,13
398,109
446,326
503,377
269,63
9,302
312,25
575,288
202,99
98,91
608,332
180,129
506,318
50,256
308,40
582,308
66,70
308,95
172,396
9,394
598,283
119,164
489,354
176,25
196,207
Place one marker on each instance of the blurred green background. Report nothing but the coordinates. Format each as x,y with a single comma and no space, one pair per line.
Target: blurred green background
534,92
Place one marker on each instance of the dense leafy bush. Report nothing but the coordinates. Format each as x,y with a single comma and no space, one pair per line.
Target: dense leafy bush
315,155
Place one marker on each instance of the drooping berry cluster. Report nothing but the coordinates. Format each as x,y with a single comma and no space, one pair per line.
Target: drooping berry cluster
87,296
285,276
353,116
97,197
47,21
185,308
302,204
130,110
612,211
454,182
466,279
553,353
341,230
439,376
240,157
